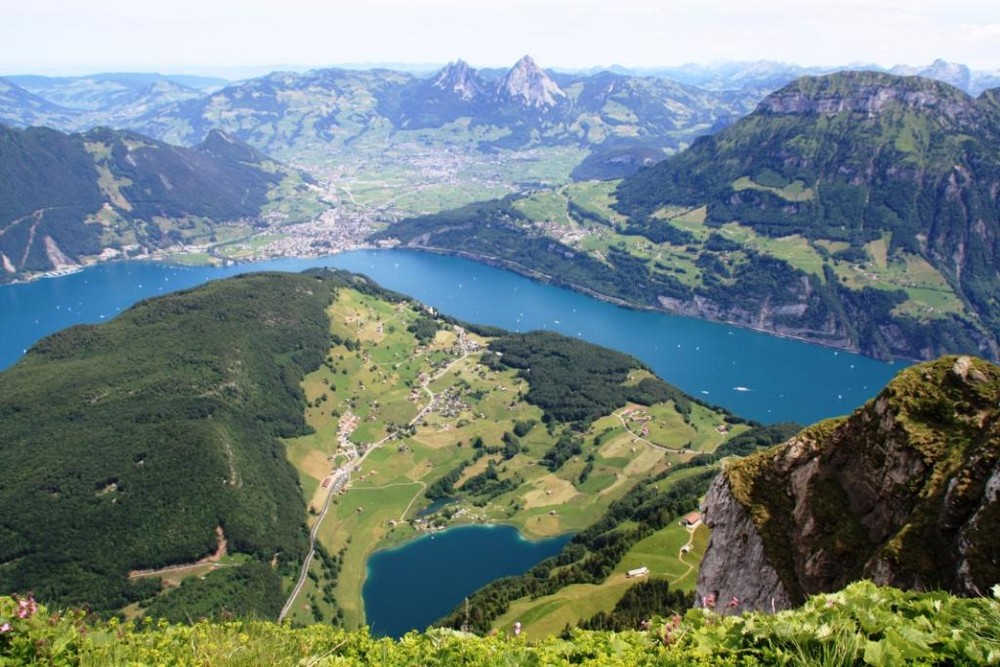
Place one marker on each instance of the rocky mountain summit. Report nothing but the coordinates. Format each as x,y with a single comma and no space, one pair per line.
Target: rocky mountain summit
461,80
869,93
529,85
905,492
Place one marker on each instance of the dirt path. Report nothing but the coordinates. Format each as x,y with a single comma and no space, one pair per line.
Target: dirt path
680,557
220,551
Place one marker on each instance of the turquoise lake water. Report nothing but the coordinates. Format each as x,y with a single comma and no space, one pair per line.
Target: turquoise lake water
758,376
410,587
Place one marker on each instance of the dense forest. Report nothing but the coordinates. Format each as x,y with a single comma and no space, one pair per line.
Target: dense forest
574,381
128,445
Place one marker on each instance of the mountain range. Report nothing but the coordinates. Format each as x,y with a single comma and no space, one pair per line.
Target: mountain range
858,209
879,186
67,199
286,112
855,209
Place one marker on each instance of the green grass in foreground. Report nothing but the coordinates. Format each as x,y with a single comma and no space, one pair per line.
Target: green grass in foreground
863,624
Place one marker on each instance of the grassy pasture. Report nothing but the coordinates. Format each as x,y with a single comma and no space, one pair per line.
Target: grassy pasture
379,373
796,191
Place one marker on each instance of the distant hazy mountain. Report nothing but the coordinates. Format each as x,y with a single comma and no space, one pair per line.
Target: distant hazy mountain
108,91
528,85
770,75
526,107
20,107
626,118
289,114
68,197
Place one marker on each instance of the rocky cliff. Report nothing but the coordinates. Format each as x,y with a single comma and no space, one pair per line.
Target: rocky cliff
462,81
905,491
527,84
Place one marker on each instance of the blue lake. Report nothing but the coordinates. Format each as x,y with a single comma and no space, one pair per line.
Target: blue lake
763,377
410,587
755,375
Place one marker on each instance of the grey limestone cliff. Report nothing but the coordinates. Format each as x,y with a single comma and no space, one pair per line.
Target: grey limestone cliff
750,583
905,492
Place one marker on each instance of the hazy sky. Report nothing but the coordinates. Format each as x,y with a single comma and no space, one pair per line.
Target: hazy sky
75,36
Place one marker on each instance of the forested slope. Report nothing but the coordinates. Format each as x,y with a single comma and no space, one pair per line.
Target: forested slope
127,445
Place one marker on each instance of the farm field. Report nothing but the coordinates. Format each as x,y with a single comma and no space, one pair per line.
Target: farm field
660,553
416,399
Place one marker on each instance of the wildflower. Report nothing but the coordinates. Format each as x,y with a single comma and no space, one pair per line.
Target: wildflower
734,602
670,627
26,607
708,601
5,627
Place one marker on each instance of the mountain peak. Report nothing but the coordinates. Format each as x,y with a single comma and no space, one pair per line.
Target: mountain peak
460,79
528,84
954,73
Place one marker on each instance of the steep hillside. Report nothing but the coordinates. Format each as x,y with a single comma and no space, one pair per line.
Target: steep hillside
147,441
67,198
815,290
877,172
905,492
20,107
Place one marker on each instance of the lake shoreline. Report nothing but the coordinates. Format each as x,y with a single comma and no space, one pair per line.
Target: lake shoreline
702,357
487,260
479,553
544,278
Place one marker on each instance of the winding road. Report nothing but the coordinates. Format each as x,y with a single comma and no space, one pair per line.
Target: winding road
342,476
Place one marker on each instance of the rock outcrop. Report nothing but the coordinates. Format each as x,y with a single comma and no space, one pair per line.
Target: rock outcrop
527,84
905,491
462,81
870,93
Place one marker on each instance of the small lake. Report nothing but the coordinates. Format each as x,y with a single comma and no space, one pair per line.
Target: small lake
410,587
